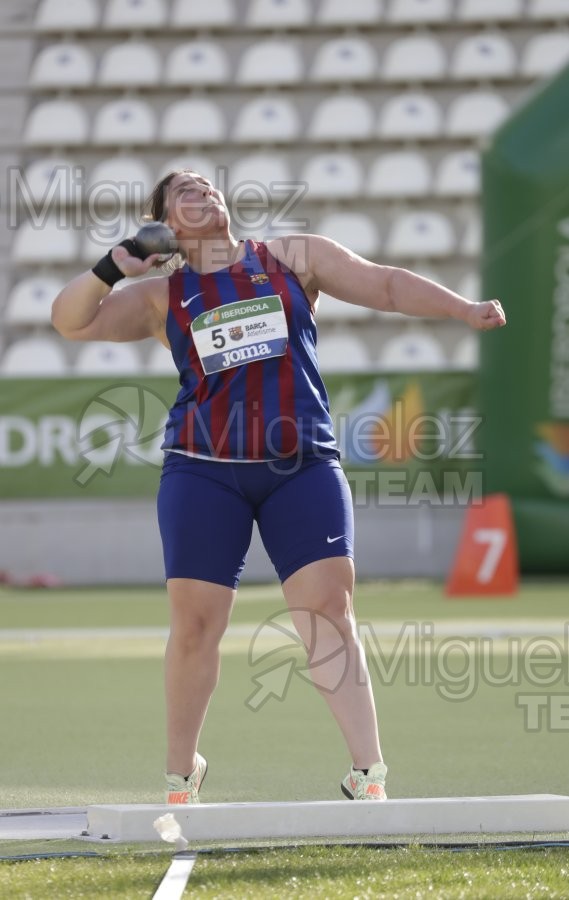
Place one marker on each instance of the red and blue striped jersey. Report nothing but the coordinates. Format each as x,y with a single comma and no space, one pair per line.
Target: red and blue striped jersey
259,410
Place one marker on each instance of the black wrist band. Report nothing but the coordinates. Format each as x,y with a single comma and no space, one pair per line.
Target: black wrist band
107,269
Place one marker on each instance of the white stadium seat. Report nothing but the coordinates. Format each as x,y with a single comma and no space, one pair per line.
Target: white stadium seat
458,174
125,121
50,241
130,64
421,234
265,119
53,179
107,358
264,169
489,10
100,236
356,12
196,120
344,59
332,175
344,117
270,62
93,247
475,114
134,14
30,300
471,240
548,9
61,15
275,14
32,357
425,270
470,287
160,361
545,54
121,178
483,56
414,58
410,116
62,65
342,352
214,13
415,12
355,230
197,62
412,352
400,174
330,309
466,353
56,122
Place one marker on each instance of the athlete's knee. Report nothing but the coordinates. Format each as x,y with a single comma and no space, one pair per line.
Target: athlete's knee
333,600
195,634
198,619
320,595
328,619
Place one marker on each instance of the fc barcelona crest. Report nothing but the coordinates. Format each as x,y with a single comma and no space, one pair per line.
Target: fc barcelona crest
260,279
236,333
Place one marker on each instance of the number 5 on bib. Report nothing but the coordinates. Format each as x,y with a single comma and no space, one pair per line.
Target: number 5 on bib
486,561
240,332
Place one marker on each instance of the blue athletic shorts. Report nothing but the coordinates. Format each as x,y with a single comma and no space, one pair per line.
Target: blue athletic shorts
206,511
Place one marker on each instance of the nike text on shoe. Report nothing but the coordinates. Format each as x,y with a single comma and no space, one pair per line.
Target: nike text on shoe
180,789
357,786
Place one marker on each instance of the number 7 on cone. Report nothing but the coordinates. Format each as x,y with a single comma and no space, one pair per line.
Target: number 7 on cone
486,561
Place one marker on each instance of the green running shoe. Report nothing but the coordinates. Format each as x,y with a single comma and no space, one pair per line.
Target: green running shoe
181,789
357,786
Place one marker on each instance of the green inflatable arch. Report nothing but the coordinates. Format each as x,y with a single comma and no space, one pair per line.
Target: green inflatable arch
524,378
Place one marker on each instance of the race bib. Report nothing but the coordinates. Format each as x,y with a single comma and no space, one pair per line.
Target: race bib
240,332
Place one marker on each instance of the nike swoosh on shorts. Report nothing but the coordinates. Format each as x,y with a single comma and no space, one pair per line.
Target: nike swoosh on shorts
331,540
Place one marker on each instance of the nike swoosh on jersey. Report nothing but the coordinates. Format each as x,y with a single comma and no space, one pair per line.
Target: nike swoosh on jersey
184,303
331,540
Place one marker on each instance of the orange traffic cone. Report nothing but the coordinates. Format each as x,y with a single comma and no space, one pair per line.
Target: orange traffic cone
486,561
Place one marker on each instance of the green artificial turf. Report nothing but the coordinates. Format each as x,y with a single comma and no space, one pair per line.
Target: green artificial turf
148,607
330,873
83,718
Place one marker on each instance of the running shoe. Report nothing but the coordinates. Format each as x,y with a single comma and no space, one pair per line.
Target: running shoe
185,789
357,786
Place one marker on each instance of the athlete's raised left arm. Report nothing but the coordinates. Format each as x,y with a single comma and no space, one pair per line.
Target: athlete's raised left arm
332,268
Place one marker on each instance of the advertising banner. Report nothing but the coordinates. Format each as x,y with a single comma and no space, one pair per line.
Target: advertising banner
403,438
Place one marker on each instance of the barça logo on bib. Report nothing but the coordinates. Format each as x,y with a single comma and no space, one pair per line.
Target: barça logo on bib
260,278
259,326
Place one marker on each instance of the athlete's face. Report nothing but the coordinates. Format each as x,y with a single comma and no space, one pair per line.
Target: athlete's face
195,207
